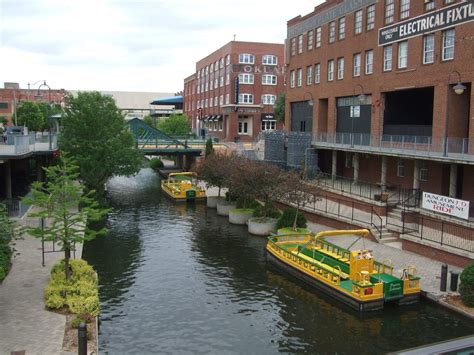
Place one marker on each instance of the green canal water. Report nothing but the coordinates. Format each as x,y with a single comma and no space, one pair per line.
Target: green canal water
177,278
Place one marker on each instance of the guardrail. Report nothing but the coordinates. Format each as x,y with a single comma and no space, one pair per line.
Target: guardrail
23,144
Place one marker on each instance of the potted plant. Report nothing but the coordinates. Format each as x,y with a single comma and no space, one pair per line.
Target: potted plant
292,222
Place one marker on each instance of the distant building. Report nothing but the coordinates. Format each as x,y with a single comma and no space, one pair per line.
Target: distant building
232,93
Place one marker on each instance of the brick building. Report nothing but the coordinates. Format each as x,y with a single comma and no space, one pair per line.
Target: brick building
385,87
11,95
232,92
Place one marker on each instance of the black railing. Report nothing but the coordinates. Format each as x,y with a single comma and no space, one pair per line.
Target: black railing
15,208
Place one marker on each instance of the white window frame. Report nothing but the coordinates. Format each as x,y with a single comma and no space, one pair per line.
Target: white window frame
332,31
448,42
227,79
221,100
268,99
292,79
221,81
246,58
401,168
268,125
227,59
270,59
310,39
358,22
300,44
340,68
357,63
423,172
342,28
309,75
299,77
227,99
330,69
269,79
402,62
428,49
387,58
318,37
293,46
246,78
370,17
404,9
389,14
369,62
246,98
429,5
317,73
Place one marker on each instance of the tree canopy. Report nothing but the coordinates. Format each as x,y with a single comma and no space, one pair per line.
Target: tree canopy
96,135
280,108
175,125
29,114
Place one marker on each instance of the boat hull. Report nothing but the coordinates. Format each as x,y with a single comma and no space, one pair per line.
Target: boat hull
355,304
181,197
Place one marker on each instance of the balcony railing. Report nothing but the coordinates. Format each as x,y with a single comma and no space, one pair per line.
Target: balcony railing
449,148
33,142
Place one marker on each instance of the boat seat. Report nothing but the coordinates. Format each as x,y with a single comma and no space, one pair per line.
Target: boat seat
322,265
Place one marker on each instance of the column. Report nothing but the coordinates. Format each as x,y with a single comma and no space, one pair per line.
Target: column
453,180
334,163
416,175
383,177
355,164
8,179
179,161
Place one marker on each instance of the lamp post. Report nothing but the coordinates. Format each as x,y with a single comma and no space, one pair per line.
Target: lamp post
40,97
458,89
310,101
361,98
29,86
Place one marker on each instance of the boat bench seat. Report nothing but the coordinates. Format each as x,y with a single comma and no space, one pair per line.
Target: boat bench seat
321,265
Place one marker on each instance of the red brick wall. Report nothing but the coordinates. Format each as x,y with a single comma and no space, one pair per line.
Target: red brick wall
435,254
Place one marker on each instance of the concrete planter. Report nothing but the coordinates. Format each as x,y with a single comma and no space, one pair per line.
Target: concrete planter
240,215
261,226
212,201
223,207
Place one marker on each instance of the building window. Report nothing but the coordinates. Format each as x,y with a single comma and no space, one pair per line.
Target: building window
227,99
245,99
401,168
227,79
246,58
357,64
215,101
404,9
268,125
221,63
268,79
270,59
268,99
292,79
221,81
369,62
428,49
348,160
358,22
210,85
310,39
221,100
205,103
317,73
211,69
243,127
387,58
402,54
448,1
309,75
423,171
330,70
340,68
318,37
216,81
293,46
342,28
447,52
246,78
207,70
300,77
370,17
300,44
332,31
227,59
429,5
206,88
389,11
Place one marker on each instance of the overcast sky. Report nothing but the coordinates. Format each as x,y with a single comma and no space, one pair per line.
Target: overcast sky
128,45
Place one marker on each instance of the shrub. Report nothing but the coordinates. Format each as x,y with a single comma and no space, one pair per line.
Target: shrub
288,217
466,289
268,210
80,293
156,163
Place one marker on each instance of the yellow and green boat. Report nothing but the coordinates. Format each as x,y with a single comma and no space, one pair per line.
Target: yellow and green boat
183,187
353,277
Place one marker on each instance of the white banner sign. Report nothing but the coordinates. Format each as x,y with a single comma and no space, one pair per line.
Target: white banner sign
447,205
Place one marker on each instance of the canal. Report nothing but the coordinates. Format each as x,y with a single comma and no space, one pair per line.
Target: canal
177,278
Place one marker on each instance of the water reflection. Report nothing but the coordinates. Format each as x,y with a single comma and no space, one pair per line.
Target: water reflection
178,278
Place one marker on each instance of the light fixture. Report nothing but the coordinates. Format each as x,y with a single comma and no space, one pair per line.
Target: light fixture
459,88
361,97
310,101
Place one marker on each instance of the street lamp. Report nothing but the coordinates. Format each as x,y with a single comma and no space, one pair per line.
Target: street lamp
459,90
310,101
29,86
361,98
40,97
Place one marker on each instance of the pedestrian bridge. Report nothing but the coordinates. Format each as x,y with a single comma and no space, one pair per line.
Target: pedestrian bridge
152,141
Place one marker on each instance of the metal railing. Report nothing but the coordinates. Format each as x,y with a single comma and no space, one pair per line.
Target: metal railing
15,208
451,147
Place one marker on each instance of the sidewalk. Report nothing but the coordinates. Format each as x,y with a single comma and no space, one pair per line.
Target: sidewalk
25,323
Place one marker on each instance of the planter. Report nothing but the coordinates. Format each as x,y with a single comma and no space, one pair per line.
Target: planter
224,206
290,231
240,215
212,201
261,225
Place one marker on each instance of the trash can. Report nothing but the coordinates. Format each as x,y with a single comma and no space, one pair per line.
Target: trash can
454,280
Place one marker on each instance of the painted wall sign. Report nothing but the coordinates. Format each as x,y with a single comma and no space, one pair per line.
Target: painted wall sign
258,69
447,205
433,21
236,90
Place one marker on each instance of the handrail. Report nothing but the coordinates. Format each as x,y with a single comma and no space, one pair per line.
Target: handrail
377,227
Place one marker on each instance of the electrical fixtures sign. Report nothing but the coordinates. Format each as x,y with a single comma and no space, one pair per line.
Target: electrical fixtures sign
236,92
434,21
447,205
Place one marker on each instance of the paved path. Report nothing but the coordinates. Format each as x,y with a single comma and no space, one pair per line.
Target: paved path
24,322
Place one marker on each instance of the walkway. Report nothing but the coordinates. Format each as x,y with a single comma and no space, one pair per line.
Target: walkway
25,323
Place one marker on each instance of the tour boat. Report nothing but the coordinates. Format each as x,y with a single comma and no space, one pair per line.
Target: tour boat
351,276
183,187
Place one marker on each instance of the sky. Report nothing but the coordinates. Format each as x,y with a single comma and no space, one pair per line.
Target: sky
128,45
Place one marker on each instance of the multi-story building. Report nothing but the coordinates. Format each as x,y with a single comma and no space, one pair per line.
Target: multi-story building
385,87
232,93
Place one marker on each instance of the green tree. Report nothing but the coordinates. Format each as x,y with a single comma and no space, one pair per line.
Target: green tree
175,125
61,200
466,289
96,135
29,114
209,148
280,108
7,233
149,120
